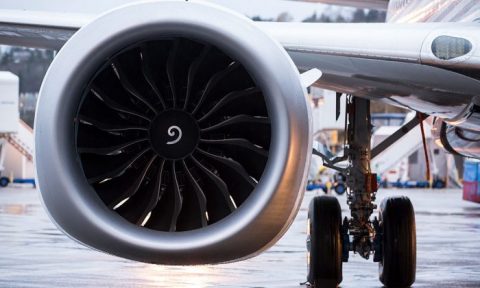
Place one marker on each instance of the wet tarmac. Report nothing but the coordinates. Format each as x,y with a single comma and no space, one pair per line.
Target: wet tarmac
35,254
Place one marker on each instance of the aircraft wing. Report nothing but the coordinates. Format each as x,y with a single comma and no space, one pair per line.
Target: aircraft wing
368,4
39,29
388,62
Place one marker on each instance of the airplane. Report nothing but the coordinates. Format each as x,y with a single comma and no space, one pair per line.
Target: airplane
178,132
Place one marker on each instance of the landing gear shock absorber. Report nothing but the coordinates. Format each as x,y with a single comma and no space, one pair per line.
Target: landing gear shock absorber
361,181
390,237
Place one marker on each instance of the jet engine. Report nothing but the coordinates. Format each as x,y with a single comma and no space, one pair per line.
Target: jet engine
173,132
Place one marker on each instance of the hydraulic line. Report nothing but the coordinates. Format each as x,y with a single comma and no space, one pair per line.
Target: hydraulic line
421,118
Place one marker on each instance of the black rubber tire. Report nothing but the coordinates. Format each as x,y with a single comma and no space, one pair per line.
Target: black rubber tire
4,181
397,220
325,242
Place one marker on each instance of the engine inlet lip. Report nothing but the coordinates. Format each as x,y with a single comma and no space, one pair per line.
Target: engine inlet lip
73,204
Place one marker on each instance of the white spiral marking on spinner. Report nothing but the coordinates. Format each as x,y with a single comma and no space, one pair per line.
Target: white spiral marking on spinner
172,133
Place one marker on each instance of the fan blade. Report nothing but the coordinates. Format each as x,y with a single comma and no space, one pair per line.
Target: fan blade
240,142
116,190
114,105
239,119
218,183
256,129
178,203
144,200
232,96
89,136
213,81
201,199
252,158
192,71
162,215
122,77
170,70
107,127
112,150
239,183
147,74
119,170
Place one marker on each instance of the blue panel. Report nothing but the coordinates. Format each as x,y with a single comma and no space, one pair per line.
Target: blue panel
470,172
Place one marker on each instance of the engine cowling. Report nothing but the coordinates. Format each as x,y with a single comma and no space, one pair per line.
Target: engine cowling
172,132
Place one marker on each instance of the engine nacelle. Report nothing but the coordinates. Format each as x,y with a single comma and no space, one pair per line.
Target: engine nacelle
456,140
173,132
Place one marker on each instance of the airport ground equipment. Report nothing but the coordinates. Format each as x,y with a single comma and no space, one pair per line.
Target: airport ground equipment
436,183
16,155
4,181
394,249
21,140
13,133
311,186
9,114
340,188
471,180
339,185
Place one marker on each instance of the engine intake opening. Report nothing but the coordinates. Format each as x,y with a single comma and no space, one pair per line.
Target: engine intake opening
173,134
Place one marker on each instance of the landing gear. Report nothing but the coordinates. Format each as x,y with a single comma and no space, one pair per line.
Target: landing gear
391,238
324,242
397,224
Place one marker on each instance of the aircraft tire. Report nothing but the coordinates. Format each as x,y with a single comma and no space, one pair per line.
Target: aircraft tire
324,242
397,221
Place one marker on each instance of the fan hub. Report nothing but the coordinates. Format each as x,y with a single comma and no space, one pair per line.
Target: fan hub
174,134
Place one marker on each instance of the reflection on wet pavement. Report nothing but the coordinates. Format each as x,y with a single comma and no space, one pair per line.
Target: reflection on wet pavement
36,254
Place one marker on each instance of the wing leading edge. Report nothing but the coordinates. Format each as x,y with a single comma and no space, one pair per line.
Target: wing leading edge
39,29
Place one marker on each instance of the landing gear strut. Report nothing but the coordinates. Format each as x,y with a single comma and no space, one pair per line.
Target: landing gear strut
390,238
